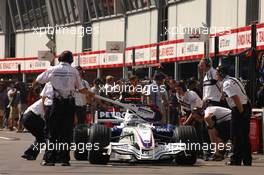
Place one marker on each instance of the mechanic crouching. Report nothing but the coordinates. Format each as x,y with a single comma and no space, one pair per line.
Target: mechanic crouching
191,105
218,124
188,100
240,123
33,121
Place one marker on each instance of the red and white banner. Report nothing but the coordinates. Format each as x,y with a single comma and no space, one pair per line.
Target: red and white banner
27,65
111,60
233,41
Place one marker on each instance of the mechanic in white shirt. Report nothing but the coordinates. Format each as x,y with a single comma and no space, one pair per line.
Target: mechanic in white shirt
64,80
189,101
218,123
211,87
34,122
81,99
241,112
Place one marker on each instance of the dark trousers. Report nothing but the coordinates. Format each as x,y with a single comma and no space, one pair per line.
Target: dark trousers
80,112
174,117
221,103
5,117
59,125
240,126
35,125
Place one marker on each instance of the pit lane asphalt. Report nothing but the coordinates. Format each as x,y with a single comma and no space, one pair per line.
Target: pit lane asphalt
13,144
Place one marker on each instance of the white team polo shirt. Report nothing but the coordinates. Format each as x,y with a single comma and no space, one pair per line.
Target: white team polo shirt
211,87
64,78
80,99
37,108
189,101
232,87
48,93
221,113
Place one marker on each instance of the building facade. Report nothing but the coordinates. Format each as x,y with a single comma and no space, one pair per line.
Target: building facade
84,27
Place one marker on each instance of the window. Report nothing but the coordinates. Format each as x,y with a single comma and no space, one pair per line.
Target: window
14,14
164,22
252,12
87,39
1,25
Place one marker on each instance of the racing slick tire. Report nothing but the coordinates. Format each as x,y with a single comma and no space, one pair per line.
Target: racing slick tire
81,135
99,138
187,135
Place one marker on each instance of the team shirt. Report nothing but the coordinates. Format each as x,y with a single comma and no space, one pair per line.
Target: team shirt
211,87
232,87
48,93
63,78
37,108
189,101
221,114
80,99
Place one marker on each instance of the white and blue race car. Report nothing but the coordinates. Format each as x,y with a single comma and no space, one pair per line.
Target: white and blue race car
138,138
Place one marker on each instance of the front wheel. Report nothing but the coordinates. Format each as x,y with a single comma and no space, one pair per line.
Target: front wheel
187,135
81,136
99,136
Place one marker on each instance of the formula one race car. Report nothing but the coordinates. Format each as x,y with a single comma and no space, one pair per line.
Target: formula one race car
138,138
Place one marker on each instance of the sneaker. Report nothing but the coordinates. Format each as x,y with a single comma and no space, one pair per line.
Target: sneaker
28,157
217,157
230,163
66,164
44,163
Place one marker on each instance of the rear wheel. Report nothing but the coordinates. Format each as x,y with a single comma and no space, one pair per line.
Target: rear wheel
81,136
99,138
187,135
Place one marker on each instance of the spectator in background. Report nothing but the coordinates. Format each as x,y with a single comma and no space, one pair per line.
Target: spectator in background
22,95
157,95
173,104
195,86
5,101
97,85
109,85
81,100
96,89
2,104
33,95
13,106
130,94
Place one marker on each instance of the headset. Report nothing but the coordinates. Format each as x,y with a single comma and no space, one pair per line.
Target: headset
182,85
207,62
222,70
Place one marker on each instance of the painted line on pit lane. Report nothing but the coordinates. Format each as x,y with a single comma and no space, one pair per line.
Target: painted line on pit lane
8,138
